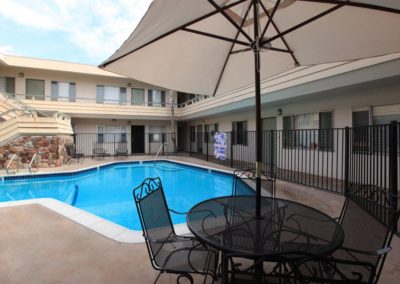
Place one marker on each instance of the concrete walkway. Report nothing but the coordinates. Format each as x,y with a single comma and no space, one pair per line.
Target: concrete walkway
39,246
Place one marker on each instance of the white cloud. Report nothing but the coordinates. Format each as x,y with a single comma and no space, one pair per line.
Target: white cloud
97,27
6,49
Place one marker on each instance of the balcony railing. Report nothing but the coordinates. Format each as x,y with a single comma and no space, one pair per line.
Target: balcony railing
94,100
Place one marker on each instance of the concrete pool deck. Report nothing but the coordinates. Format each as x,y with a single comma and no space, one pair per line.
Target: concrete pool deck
41,246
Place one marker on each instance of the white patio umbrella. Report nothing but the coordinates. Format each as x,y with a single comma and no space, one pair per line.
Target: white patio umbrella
216,46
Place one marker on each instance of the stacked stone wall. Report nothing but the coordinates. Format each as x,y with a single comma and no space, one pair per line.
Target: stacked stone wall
51,151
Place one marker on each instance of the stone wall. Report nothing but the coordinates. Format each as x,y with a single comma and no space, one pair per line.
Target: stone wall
51,151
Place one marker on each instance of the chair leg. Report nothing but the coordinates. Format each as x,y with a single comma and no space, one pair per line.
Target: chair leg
187,276
158,276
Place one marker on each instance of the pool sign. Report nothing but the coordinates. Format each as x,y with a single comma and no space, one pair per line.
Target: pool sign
220,145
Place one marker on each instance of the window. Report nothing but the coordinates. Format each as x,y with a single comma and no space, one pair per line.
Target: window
111,134
360,130
209,130
62,91
100,133
239,132
34,89
110,95
7,85
309,131
192,134
325,135
137,97
156,98
157,134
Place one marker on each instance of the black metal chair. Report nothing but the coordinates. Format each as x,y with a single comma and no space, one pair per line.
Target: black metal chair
99,151
273,269
122,150
73,153
369,221
169,252
247,177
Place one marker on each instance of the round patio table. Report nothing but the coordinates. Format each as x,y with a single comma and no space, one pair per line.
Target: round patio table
285,227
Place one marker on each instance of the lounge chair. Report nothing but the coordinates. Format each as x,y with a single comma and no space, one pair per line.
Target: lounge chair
73,153
122,150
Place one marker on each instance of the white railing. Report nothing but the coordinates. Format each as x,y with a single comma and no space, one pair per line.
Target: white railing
31,163
9,163
159,150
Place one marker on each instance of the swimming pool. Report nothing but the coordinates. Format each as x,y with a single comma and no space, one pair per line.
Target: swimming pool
106,191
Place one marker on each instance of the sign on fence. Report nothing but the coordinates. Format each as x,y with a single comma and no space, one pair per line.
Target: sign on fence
220,145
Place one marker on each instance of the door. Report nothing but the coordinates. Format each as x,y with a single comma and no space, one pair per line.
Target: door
200,138
269,143
137,139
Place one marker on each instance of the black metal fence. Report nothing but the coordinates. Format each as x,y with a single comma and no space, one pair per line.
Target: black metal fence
330,159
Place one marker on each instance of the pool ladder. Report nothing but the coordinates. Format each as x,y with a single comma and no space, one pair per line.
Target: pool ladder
159,150
31,163
14,157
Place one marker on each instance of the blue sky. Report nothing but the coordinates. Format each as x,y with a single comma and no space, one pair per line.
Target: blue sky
84,31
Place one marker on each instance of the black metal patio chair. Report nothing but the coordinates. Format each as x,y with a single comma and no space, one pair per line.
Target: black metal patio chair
99,151
122,150
247,177
73,153
369,221
169,252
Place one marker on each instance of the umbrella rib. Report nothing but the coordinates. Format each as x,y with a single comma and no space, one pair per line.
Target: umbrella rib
356,4
267,48
296,62
173,31
229,53
239,28
217,37
312,19
269,16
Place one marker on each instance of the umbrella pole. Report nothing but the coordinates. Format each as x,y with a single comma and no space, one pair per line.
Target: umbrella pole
256,52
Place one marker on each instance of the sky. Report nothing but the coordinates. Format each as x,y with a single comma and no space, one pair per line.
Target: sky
84,31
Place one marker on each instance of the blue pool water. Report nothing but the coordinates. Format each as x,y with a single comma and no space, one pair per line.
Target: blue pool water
107,191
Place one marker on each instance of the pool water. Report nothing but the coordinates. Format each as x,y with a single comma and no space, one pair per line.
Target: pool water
107,191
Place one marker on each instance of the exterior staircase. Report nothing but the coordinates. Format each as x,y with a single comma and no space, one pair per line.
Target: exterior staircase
20,119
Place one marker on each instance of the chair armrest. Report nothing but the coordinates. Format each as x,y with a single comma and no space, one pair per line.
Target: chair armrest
378,252
177,212
163,240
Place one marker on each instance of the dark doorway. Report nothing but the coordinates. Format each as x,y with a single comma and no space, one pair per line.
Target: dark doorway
137,139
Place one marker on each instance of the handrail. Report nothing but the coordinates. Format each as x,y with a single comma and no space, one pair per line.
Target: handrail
22,105
159,150
31,162
9,163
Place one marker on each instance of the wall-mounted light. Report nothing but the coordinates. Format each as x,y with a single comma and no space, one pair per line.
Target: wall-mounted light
279,112
21,75
129,85
129,122
113,120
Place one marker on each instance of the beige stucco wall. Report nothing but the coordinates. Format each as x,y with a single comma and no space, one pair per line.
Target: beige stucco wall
85,84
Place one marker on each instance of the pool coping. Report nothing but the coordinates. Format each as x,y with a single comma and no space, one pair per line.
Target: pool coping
93,222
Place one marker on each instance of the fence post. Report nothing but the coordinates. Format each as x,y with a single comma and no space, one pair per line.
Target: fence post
393,169
163,143
190,145
114,145
231,148
272,153
346,160
207,145
148,142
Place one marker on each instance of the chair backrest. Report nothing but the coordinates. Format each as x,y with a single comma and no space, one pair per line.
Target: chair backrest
369,221
242,179
154,215
122,147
